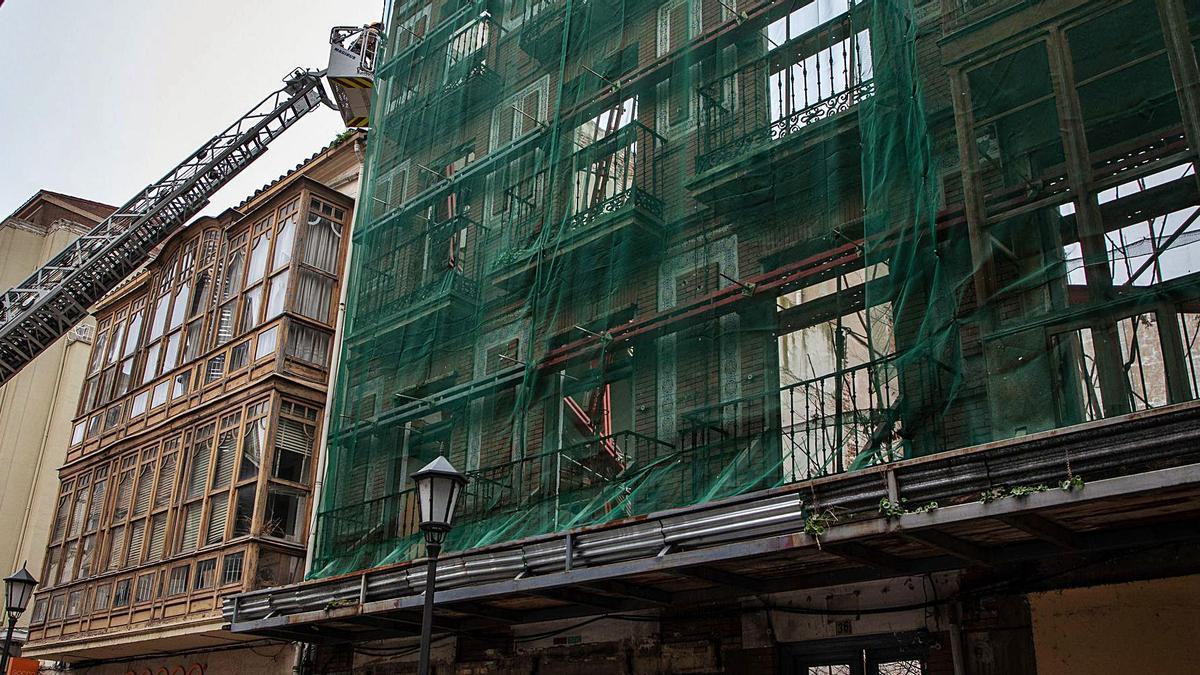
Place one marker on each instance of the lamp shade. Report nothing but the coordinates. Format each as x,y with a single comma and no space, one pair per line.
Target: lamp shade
18,588
438,487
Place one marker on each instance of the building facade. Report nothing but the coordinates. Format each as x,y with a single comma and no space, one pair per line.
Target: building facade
800,337
192,456
36,408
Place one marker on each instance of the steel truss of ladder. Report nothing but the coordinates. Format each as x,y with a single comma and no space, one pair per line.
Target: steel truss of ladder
57,296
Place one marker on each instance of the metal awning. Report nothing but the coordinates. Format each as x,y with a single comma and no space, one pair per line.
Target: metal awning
1141,487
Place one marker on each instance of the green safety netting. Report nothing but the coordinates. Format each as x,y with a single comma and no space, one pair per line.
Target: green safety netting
617,256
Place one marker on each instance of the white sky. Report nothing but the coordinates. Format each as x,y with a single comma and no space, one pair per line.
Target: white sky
98,98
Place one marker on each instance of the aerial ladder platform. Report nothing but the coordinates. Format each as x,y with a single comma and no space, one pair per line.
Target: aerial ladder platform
45,306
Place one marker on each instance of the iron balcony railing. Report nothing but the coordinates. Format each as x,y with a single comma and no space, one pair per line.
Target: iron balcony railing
812,78
553,489
611,174
419,269
369,524
544,22
816,427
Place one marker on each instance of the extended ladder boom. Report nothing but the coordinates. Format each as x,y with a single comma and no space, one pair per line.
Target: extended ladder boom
54,298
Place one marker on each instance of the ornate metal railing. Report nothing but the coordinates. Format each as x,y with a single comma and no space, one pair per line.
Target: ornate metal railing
559,485
404,278
813,78
543,23
374,522
615,173
819,426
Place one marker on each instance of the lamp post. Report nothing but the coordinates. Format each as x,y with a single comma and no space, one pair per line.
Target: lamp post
438,487
17,590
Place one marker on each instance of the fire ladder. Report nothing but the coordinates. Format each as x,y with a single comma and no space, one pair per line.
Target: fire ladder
42,308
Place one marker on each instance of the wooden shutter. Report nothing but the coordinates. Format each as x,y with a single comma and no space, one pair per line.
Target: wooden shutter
166,482
218,511
96,506
116,548
124,495
226,449
191,527
158,537
198,472
137,532
145,484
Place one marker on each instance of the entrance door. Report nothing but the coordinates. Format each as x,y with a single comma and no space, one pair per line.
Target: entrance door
882,655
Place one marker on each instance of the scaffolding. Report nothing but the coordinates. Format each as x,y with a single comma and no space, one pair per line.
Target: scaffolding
615,257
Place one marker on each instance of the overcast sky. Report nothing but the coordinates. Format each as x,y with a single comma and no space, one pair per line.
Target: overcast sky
98,98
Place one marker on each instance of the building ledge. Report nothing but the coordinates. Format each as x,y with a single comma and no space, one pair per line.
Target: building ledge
197,633
1121,483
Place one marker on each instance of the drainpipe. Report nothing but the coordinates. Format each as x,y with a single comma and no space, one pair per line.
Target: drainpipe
334,363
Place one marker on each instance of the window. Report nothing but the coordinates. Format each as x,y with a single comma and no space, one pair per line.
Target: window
293,450
243,512
214,369
39,610
521,114
284,513
102,597
159,395
251,308
277,296
145,589
314,296
58,605
74,603
138,405
285,240
308,344
177,584
180,384
231,569
239,356
121,593
678,23
258,258
77,433
205,573
253,440
412,30
266,343
323,236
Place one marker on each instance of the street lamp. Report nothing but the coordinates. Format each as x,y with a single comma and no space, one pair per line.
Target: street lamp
17,590
438,487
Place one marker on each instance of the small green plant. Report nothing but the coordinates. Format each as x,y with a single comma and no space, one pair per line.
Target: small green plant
895,509
992,494
926,508
816,524
342,602
1072,483
1026,490
892,509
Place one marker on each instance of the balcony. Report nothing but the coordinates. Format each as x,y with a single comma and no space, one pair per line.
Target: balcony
559,489
758,122
611,206
369,529
401,286
546,20
469,85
